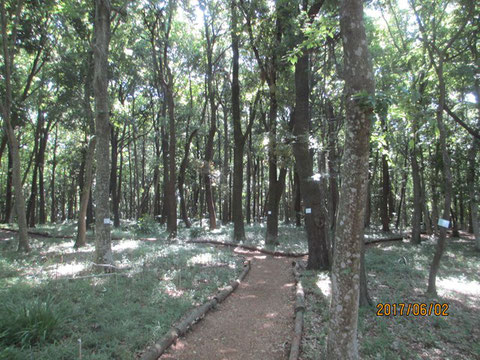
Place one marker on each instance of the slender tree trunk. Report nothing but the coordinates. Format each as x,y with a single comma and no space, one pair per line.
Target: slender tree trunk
211,133
447,178
113,177
181,180
8,52
384,213
8,189
103,248
342,343
298,199
472,154
85,195
171,185
417,200
249,182
332,165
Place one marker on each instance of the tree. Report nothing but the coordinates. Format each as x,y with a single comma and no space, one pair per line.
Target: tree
103,247
359,87
312,195
438,54
8,53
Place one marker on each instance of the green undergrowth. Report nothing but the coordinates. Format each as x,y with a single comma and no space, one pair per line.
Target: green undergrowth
53,303
398,273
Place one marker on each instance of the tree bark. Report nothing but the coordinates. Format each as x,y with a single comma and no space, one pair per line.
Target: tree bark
181,180
103,248
447,178
8,45
342,340
8,189
85,195
312,196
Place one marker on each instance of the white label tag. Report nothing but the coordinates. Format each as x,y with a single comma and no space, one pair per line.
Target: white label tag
269,212
444,223
308,210
107,221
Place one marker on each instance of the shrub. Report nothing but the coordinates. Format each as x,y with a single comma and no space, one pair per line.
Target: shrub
146,225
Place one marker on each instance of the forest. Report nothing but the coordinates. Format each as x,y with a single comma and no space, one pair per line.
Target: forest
154,153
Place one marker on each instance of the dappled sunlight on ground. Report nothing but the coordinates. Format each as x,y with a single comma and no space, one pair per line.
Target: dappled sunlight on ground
125,245
70,269
324,284
459,285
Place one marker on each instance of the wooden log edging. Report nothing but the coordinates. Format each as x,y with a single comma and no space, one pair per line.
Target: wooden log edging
299,312
154,352
247,247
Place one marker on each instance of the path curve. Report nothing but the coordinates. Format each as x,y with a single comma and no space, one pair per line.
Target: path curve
255,322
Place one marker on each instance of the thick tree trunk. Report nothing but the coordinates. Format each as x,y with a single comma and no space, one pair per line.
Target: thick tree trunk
275,185
103,248
342,343
85,195
313,198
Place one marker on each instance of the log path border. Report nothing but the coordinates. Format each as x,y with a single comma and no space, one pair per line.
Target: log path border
154,352
299,312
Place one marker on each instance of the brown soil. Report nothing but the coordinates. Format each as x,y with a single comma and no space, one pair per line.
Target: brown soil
255,322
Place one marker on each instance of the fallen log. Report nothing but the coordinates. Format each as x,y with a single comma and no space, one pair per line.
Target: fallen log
248,247
154,352
299,311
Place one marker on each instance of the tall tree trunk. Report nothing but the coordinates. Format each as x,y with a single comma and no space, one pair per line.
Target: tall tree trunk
85,195
8,44
417,201
472,154
297,200
224,191
312,196
332,165
249,182
384,213
8,189
447,179
211,133
53,200
103,248
114,176
181,180
342,340
171,185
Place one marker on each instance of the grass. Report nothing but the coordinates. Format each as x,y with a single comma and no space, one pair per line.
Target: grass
52,297
290,238
398,273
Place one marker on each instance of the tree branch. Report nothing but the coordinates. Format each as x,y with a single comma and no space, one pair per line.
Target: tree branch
461,122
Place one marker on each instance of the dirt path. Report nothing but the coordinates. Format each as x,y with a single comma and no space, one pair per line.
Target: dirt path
255,322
